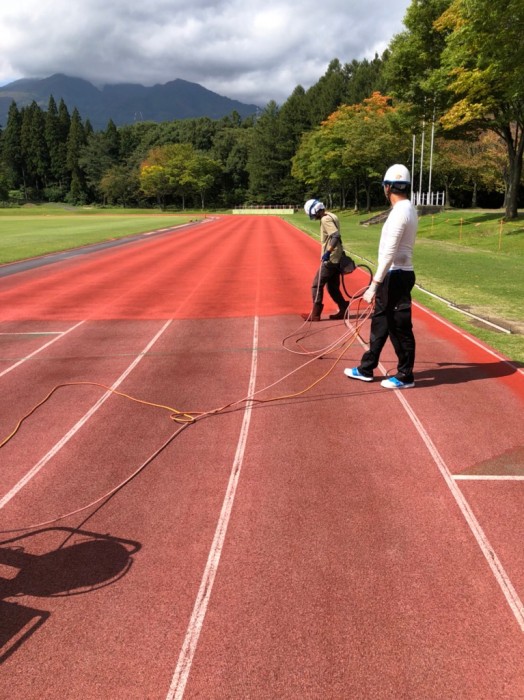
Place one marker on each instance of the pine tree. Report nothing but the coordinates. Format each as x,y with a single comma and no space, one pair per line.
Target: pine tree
112,138
56,147
34,148
11,148
327,94
76,139
294,117
267,166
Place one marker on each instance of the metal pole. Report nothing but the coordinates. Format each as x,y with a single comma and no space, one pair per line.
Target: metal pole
431,154
422,158
413,166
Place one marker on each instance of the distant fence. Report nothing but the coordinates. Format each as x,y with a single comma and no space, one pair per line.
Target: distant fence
265,209
432,199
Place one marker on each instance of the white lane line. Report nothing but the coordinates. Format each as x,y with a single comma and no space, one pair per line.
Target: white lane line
35,333
494,562
28,357
53,451
488,477
187,653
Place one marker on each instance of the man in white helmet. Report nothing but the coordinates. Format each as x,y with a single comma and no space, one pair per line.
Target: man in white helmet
391,286
329,271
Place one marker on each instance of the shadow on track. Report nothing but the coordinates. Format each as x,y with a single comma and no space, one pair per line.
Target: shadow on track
459,373
90,563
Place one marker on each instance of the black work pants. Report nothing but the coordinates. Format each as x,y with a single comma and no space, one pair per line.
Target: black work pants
327,275
392,319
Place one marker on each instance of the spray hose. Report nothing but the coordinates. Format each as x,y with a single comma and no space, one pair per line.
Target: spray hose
185,418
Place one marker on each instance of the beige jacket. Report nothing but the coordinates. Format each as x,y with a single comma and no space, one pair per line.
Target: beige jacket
330,236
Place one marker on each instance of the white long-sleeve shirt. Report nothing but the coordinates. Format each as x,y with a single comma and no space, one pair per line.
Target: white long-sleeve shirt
395,250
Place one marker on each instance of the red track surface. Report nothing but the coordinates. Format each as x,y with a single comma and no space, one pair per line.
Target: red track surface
327,545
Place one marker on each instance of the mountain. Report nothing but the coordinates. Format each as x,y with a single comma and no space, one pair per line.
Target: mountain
125,103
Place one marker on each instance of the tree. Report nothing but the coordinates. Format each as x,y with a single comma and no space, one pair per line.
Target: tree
374,137
176,169
318,164
64,124
98,155
112,138
414,54
120,185
230,148
199,132
133,148
294,119
12,149
52,134
471,164
202,173
328,93
463,59
4,183
56,137
484,74
34,147
64,119
76,140
178,158
154,182
266,165
355,144
363,78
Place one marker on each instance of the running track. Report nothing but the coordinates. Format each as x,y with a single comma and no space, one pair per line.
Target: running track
342,542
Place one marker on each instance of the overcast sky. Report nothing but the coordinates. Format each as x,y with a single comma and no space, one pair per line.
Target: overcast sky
250,50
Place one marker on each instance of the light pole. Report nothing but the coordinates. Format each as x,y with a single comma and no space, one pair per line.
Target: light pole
413,167
421,200
431,156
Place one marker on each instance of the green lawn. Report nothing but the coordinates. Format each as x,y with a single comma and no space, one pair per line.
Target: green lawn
29,232
468,258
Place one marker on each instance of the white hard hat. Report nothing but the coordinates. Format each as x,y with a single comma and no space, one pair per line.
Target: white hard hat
397,176
312,206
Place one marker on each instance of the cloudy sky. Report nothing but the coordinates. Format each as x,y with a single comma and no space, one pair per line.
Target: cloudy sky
251,51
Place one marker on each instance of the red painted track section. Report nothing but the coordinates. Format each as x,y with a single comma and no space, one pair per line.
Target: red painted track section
341,542
233,267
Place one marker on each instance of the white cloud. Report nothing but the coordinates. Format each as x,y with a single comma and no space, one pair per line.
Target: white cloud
253,54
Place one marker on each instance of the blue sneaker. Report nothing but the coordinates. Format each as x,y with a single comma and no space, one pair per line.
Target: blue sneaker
394,383
353,373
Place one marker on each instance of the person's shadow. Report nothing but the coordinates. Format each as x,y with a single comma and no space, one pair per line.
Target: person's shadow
460,372
71,569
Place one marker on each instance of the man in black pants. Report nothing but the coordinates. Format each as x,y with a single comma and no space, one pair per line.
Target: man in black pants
391,287
328,273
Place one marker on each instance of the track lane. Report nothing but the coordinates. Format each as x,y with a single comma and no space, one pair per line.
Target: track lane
303,532
348,570
170,510
172,277
96,352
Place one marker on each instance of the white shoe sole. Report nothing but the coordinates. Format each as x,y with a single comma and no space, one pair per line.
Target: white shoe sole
386,384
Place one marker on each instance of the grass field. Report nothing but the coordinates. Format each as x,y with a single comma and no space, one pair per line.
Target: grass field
32,231
468,259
